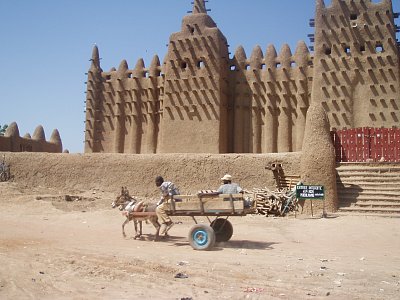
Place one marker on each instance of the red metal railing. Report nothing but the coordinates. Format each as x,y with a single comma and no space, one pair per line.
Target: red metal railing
367,144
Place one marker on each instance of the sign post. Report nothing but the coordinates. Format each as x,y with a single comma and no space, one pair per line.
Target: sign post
311,192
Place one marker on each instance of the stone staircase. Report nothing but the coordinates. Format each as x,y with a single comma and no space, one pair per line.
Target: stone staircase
369,188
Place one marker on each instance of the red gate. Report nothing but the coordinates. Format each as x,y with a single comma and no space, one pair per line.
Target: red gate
367,144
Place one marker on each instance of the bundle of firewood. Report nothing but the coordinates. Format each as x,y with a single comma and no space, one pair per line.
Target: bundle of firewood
278,202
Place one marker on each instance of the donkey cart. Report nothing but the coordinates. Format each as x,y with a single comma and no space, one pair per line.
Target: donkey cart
219,206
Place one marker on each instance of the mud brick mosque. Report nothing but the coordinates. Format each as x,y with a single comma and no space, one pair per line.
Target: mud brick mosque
199,100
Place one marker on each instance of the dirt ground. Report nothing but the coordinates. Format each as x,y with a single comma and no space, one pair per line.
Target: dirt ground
51,248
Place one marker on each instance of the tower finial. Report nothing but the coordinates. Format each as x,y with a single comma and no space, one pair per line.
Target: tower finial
320,4
95,57
199,7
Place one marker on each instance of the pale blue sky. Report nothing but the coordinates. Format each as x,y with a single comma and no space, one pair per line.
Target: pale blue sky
46,46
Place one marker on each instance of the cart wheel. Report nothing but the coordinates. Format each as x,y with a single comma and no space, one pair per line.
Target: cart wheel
201,237
223,230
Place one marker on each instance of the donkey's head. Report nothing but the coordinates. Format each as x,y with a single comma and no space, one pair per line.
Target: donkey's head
122,200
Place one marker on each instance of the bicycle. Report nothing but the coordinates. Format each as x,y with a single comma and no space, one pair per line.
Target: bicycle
5,174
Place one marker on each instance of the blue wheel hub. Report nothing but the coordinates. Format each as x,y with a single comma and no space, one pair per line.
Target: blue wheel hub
200,237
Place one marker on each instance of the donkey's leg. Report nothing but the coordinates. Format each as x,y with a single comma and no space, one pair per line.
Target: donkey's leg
123,227
140,227
137,235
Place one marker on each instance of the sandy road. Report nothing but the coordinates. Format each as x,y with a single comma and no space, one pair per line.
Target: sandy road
50,249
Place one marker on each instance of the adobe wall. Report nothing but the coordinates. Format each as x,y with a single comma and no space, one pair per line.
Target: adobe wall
108,172
13,142
123,107
357,64
270,95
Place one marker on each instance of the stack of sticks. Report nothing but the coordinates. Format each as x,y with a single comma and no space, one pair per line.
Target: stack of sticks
277,203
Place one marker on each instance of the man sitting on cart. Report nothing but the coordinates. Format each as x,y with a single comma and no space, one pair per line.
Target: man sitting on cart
168,189
228,187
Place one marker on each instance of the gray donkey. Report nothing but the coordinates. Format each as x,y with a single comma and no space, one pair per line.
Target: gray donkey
129,205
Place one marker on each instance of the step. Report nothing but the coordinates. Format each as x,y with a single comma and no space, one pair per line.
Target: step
368,174
370,186
368,166
346,202
367,207
369,210
377,204
367,190
394,169
363,214
369,193
359,179
363,195
368,203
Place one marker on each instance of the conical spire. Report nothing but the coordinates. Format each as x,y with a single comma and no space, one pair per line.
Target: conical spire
240,56
154,66
285,53
95,58
12,130
123,67
256,57
140,64
56,139
270,56
199,7
139,69
39,134
301,54
320,4
285,56
335,3
301,48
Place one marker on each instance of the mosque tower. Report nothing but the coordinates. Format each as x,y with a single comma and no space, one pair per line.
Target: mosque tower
195,92
356,76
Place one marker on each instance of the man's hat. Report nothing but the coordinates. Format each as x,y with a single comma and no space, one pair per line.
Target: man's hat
227,177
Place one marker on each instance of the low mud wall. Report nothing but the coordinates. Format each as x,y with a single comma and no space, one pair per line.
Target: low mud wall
108,172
